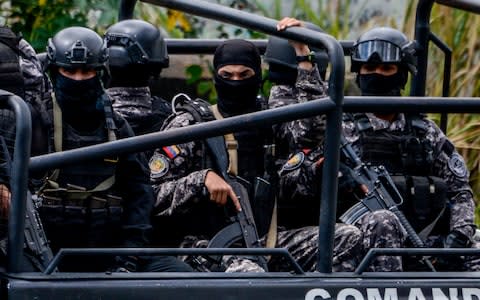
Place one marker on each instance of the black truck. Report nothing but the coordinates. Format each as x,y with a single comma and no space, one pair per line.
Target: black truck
296,284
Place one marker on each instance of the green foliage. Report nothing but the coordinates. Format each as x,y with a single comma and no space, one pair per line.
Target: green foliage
461,31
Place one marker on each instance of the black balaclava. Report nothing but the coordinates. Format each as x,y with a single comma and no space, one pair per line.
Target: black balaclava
237,97
79,100
375,84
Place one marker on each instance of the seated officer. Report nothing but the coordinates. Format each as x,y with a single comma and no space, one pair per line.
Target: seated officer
300,177
189,184
137,53
427,169
101,202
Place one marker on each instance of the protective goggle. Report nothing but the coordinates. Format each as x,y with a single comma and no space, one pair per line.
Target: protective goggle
133,48
385,51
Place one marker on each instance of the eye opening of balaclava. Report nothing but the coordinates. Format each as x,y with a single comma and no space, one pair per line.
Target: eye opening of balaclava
375,84
236,97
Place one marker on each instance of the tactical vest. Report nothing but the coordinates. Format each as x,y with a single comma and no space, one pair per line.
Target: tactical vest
249,150
408,156
82,193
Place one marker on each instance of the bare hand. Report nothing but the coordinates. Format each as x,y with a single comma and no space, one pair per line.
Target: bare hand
300,48
4,201
220,190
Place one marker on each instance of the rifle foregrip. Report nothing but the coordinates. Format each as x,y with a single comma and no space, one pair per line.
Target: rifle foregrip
412,234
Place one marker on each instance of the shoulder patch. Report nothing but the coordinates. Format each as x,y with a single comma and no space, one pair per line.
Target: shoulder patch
456,164
171,151
293,162
159,165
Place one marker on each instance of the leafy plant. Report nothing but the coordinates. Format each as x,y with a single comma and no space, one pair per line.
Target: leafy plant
461,31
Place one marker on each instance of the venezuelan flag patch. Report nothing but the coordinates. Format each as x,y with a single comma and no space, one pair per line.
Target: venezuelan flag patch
171,151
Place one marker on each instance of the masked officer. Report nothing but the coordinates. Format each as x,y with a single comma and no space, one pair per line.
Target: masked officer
181,173
300,175
427,169
101,202
137,53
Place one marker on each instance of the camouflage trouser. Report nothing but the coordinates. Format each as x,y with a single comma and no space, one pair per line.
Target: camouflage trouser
302,244
228,263
382,229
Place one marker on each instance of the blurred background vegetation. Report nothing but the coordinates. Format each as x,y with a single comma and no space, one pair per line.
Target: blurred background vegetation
38,20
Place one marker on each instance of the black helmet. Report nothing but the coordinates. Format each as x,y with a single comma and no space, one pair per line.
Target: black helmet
77,47
280,52
384,45
136,42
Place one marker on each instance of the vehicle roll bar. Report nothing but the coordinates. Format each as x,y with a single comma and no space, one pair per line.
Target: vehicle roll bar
19,179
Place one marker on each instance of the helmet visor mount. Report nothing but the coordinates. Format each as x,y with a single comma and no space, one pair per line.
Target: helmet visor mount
78,54
136,53
385,51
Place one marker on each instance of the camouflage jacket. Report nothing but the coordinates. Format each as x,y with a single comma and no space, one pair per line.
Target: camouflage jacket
304,133
177,172
300,174
144,113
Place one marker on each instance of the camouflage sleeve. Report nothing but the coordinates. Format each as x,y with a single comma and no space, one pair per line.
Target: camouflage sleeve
37,86
304,133
175,173
300,176
450,166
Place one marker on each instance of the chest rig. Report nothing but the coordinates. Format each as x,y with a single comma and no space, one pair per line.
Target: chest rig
83,192
245,152
408,156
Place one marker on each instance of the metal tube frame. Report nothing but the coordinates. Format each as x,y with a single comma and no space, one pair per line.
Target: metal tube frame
332,106
336,83
19,180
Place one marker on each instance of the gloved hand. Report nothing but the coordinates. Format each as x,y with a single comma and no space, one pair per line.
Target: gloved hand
348,182
456,239
125,264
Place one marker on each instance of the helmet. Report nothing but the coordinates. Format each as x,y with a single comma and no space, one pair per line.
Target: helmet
280,52
136,42
384,45
77,47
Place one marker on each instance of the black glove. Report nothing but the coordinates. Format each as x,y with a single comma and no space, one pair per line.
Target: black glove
456,239
347,180
125,264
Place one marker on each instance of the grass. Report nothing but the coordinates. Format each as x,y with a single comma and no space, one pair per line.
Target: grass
461,31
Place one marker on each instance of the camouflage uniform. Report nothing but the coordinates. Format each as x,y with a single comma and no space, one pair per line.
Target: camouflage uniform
448,166
178,176
37,90
144,113
304,133
375,230
299,179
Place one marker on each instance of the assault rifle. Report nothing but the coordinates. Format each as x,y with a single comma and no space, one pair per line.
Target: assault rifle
36,241
382,194
35,238
243,226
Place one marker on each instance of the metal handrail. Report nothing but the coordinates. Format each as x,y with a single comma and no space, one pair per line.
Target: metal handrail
19,179
374,252
173,251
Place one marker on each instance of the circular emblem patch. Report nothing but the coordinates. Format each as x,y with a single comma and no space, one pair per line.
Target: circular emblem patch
457,165
294,162
159,165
